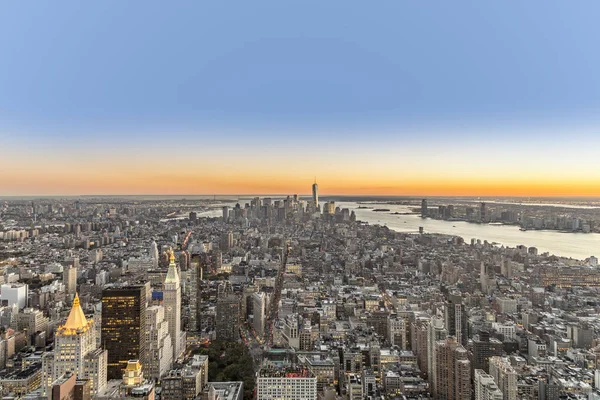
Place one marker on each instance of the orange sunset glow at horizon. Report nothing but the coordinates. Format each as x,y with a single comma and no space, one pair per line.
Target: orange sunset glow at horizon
149,184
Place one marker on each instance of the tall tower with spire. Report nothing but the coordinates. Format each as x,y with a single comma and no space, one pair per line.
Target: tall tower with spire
172,302
75,350
315,194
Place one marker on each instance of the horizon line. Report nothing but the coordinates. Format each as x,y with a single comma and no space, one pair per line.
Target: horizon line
304,195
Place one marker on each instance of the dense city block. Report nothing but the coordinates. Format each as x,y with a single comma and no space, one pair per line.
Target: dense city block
283,298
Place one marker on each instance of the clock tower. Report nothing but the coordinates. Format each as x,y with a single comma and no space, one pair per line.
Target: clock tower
172,303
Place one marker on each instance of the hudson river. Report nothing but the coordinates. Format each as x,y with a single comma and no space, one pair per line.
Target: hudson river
576,245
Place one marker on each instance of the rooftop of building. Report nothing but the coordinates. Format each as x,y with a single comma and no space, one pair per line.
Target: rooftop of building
227,390
21,374
290,372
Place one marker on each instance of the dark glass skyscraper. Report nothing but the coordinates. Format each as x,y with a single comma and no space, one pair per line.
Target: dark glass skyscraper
123,326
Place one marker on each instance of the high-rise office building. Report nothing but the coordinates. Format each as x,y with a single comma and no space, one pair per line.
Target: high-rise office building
259,305
154,254
225,213
70,279
435,332
456,318
505,377
172,301
485,387
160,348
419,337
227,318
483,212
452,371
484,348
75,350
315,195
123,326
227,241
192,285
424,208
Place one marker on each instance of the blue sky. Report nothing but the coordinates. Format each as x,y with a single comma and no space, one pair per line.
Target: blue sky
302,72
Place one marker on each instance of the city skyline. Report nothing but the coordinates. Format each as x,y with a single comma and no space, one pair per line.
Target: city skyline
336,200
386,99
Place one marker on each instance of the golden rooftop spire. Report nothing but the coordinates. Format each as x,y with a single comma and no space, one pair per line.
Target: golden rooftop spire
172,276
76,319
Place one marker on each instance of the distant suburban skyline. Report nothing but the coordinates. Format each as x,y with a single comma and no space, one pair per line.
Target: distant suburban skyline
388,98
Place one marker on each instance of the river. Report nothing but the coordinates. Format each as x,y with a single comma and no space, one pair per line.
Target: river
575,245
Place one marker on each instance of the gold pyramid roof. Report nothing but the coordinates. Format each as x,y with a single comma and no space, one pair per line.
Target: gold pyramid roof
172,275
76,320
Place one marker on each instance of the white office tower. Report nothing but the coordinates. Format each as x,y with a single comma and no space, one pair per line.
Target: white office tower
159,344
70,279
435,332
70,275
505,376
485,387
75,350
154,254
172,302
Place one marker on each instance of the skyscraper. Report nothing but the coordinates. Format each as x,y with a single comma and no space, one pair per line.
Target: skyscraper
70,279
423,208
227,318
193,278
485,387
160,347
226,241
483,212
172,301
435,332
484,348
259,306
154,254
225,213
315,194
452,370
75,350
123,326
456,318
505,377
